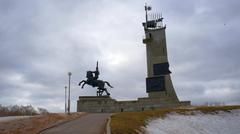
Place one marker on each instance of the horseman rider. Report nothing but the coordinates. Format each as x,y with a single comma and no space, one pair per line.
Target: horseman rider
93,78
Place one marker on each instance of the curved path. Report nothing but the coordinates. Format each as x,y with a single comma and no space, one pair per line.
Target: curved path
89,124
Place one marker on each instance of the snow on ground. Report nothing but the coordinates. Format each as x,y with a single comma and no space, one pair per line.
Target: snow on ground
10,118
220,123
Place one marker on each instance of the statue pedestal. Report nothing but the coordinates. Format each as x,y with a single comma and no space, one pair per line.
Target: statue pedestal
96,104
105,104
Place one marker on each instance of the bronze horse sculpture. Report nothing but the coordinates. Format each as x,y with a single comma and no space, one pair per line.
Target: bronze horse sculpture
93,81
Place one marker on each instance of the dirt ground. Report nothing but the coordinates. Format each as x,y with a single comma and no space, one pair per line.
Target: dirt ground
36,124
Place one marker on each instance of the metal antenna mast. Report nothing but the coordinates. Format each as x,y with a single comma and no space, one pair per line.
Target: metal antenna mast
146,10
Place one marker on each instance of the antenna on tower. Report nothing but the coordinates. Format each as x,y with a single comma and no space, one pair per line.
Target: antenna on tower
153,20
147,8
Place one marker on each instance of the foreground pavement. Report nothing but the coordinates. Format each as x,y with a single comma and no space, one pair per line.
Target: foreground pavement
94,123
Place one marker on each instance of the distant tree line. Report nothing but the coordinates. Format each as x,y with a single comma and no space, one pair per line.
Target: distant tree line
17,110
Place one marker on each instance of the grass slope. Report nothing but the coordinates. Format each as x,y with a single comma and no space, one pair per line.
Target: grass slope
131,122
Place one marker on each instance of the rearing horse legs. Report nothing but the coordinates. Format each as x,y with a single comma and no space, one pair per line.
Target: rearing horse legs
83,81
99,92
106,91
83,84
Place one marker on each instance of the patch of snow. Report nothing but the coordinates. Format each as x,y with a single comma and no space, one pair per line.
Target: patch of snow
220,123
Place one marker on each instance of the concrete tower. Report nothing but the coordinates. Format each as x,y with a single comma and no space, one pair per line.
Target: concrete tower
158,81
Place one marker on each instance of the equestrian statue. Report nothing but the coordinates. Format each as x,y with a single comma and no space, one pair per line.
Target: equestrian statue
92,80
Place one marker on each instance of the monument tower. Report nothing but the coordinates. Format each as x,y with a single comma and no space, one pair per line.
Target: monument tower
158,81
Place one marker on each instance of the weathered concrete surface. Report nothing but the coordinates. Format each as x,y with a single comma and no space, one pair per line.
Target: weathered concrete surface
105,104
94,123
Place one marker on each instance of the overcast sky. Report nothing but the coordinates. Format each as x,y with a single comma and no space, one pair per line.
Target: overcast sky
40,41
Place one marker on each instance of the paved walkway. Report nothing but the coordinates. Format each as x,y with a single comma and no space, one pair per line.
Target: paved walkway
89,124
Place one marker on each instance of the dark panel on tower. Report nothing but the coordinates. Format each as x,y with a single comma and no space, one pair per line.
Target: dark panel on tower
155,84
161,69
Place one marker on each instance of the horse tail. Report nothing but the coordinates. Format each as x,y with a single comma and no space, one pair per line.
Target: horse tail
108,84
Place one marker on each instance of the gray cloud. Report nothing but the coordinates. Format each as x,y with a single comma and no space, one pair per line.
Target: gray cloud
42,40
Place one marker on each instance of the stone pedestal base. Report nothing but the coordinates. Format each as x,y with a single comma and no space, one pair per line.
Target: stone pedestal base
106,104
96,104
